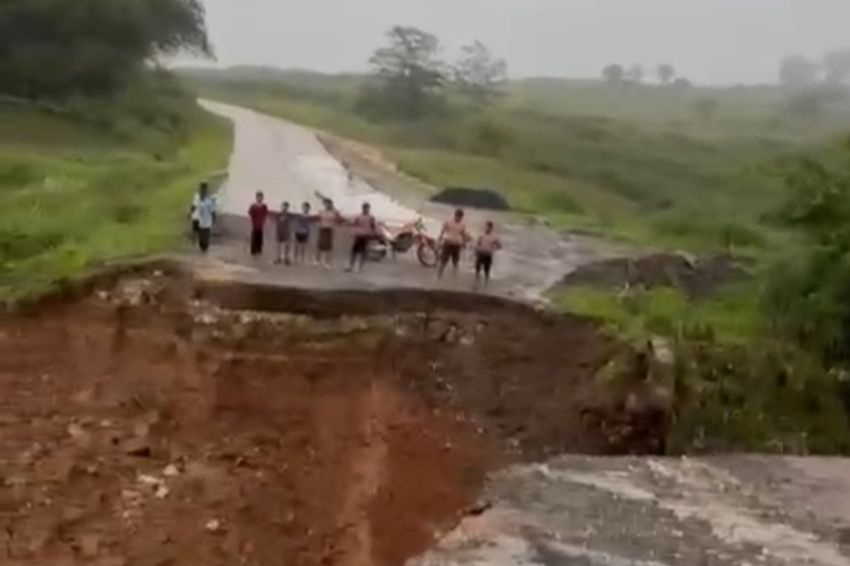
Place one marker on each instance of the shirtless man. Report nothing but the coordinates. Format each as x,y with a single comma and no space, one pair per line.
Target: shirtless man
485,248
453,238
365,230
328,220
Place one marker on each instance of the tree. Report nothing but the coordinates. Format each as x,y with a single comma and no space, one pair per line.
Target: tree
682,83
837,65
56,49
614,73
706,108
798,71
635,74
178,25
479,73
666,72
408,69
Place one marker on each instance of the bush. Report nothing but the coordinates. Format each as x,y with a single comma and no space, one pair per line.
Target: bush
17,244
488,138
807,299
558,202
763,397
735,388
15,174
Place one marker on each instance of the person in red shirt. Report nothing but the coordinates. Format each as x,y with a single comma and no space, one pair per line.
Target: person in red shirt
258,213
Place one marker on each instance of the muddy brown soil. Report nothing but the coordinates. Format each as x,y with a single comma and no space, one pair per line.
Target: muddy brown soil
144,426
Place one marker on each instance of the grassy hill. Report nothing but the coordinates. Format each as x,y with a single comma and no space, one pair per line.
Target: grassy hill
630,161
87,183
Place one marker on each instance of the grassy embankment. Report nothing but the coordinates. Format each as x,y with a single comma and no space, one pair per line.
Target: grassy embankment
736,384
95,182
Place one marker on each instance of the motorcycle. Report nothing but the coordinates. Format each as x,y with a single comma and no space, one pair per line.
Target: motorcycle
401,240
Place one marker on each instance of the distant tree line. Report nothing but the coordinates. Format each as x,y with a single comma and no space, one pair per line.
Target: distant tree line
58,49
704,108
410,79
617,74
813,85
798,71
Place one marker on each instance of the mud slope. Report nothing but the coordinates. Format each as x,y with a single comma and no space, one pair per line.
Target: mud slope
144,425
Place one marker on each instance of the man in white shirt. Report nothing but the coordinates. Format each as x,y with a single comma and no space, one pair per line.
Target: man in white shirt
204,211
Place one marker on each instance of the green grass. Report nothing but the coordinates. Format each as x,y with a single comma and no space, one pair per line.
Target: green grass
759,112
764,397
731,317
649,103
96,196
735,387
526,190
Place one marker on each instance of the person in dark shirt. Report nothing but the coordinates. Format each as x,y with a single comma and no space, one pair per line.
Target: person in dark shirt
258,213
303,226
284,235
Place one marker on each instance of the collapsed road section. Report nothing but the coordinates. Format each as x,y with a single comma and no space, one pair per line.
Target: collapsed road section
155,419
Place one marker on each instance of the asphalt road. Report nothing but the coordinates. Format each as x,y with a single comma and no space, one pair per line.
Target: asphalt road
289,163
724,511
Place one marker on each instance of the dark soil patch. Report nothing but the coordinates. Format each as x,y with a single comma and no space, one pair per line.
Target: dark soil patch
142,426
697,279
472,198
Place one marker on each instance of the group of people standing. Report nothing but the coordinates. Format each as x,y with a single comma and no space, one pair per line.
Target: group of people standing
454,237
294,231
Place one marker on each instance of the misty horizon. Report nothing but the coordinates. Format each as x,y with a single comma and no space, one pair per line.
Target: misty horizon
722,42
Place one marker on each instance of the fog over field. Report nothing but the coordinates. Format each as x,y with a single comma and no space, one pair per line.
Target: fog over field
715,41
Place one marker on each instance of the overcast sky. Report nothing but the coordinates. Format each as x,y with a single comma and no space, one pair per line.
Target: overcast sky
709,41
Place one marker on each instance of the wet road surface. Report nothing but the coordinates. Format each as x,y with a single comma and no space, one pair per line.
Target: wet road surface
723,511
289,163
